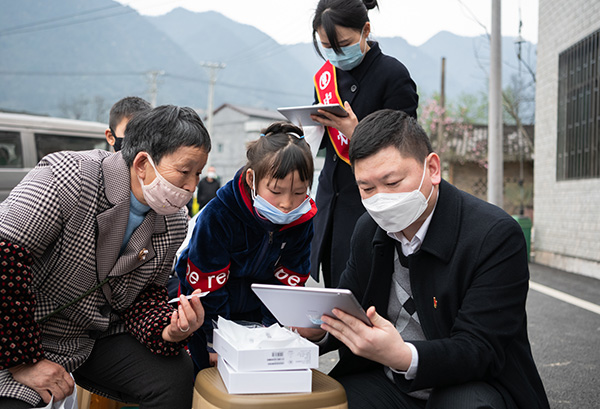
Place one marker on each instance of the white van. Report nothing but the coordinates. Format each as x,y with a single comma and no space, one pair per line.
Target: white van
25,139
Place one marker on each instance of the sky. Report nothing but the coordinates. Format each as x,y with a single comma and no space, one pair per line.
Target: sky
290,21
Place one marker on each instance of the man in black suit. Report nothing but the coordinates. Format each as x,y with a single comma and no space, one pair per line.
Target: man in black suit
444,278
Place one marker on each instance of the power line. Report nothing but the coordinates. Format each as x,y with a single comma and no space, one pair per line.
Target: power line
52,20
34,27
71,73
234,86
144,73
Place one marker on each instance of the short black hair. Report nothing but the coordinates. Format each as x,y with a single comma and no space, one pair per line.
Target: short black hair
389,127
125,108
163,130
345,13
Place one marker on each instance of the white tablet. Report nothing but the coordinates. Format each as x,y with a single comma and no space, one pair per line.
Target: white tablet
300,116
304,306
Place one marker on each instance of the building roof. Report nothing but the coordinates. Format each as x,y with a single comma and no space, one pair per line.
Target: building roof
253,112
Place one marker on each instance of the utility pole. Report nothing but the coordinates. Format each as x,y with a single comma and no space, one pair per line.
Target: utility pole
213,70
495,132
153,79
440,128
520,125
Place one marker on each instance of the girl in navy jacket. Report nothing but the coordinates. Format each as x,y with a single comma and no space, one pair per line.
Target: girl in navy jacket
258,229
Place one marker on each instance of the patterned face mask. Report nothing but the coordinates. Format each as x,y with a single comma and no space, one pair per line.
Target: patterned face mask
162,196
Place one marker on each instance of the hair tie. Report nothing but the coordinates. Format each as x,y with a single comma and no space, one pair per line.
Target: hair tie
296,135
262,134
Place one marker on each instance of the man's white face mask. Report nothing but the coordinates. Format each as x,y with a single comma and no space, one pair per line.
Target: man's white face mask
394,212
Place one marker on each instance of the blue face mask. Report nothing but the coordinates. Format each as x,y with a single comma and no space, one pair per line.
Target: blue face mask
350,57
273,214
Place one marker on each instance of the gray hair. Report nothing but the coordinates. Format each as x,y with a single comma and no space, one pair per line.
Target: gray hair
163,130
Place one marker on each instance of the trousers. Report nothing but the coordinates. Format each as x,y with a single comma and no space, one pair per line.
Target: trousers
373,390
123,369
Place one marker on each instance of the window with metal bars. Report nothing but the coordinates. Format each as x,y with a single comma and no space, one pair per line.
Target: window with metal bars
578,139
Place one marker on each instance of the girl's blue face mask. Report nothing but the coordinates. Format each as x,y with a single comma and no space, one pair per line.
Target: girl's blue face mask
272,213
350,58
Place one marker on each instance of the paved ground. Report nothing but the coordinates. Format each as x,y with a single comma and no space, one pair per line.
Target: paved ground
564,338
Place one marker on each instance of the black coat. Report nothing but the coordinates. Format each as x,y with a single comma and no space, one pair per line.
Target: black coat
469,282
379,82
206,191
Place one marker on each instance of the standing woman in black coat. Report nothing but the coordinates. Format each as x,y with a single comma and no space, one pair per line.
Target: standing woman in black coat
363,79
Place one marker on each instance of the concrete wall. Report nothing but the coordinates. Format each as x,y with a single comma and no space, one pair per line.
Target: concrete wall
567,213
231,131
472,178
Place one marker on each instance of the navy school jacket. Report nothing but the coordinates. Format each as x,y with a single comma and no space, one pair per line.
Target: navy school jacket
232,247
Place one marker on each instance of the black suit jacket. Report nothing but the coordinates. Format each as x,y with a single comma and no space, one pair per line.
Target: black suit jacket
379,82
469,282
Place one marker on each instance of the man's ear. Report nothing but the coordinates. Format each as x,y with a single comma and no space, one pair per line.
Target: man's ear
110,138
435,168
139,164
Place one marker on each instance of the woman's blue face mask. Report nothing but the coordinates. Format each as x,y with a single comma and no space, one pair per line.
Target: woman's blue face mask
350,57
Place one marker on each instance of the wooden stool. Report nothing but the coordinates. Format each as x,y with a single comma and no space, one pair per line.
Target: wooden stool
210,393
89,400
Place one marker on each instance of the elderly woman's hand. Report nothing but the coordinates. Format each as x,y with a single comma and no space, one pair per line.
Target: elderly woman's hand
188,317
46,378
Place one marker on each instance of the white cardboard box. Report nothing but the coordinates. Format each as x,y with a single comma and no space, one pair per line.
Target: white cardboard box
301,357
291,381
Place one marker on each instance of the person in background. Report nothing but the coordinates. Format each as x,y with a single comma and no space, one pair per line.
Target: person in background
87,241
208,186
444,279
360,77
207,189
120,113
256,230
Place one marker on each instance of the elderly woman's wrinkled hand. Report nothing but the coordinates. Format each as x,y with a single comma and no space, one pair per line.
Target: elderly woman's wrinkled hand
45,377
188,317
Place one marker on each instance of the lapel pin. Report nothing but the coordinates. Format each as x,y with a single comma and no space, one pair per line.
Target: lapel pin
142,254
434,302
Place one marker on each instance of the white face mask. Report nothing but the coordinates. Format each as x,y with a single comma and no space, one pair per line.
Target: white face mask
394,212
162,196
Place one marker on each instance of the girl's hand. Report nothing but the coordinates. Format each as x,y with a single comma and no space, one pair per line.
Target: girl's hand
344,124
188,317
312,334
212,358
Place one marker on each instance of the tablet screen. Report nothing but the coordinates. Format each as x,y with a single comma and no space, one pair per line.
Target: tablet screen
300,116
304,306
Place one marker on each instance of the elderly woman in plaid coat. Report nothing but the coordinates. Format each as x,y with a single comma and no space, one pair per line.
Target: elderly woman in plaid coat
87,241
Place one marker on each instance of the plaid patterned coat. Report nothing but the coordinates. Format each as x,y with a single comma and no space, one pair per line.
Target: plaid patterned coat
61,230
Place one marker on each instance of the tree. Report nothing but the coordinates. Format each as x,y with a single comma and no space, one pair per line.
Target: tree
94,109
457,143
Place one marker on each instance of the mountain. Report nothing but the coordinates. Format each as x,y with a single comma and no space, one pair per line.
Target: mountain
258,71
73,58
105,55
467,58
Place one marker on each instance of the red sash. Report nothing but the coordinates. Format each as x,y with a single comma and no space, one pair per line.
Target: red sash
327,92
